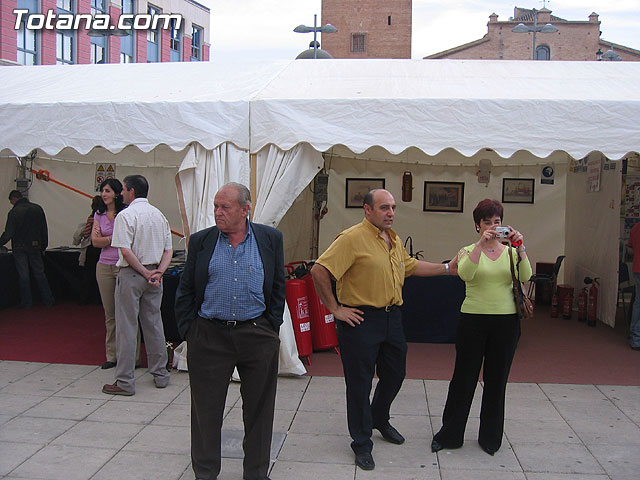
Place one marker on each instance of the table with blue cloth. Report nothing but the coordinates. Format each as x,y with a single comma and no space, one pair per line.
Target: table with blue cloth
431,308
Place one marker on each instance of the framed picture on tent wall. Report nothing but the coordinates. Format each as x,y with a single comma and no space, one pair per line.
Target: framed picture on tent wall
517,190
357,188
443,197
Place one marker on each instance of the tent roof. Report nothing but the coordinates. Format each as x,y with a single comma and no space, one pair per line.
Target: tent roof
115,105
432,105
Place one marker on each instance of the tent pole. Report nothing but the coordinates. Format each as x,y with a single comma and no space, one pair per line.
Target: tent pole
253,158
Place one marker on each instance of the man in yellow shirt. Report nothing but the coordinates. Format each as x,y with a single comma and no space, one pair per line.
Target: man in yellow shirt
369,264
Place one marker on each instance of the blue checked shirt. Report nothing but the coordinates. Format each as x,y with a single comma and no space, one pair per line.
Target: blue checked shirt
236,277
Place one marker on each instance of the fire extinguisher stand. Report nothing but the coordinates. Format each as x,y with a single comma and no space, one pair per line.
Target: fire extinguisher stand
298,303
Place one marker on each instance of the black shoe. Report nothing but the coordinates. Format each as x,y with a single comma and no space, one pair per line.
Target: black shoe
390,434
634,347
436,446
489,450
107,365
365,461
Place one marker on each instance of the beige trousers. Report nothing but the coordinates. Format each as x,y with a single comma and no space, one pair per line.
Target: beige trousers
106,276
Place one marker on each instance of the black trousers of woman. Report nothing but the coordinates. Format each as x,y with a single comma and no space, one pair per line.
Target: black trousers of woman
491,339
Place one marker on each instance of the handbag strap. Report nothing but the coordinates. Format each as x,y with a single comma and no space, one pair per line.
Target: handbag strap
513,273
516,281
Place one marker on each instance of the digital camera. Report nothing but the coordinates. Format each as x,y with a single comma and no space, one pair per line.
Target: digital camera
503,232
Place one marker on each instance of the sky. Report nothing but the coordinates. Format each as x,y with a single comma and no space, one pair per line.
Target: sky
263,29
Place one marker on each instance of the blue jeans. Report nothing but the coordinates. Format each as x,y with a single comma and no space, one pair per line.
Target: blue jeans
31,259
635,317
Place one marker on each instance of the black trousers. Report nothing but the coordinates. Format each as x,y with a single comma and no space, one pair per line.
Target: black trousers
377,345
213,352
491,339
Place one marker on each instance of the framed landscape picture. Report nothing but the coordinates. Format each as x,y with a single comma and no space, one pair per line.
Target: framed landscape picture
357,188
517,190
443,197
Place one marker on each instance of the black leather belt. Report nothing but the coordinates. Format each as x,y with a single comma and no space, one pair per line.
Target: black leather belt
229,323
386,308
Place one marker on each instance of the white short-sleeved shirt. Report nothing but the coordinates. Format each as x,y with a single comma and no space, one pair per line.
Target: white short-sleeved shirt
144,229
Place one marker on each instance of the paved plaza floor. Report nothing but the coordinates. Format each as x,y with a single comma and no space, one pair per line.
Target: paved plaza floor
56,424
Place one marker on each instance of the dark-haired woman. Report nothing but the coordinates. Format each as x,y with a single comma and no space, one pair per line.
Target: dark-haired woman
106,269
488,332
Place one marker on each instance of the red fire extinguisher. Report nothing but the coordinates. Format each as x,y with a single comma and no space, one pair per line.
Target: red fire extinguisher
323,327
554,305
592,304
298,303
582,305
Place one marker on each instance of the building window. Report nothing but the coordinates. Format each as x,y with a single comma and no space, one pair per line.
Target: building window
389,20
27,39
196,43
358,42
127,43
153,37
65,39
99,44
543,53
175,42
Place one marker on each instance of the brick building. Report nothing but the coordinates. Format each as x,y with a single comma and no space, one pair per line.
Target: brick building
50,46
574,40
368,28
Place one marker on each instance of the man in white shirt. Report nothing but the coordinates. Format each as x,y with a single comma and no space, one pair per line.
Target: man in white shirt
143,237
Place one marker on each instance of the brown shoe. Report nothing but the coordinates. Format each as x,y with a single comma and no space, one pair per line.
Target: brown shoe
115,390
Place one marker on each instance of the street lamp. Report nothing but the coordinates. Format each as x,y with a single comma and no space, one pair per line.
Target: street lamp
328,28
609,55
522,28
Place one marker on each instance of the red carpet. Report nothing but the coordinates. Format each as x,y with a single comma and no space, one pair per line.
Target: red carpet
551,350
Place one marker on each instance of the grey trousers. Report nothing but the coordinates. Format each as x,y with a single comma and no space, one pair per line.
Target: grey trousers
134,299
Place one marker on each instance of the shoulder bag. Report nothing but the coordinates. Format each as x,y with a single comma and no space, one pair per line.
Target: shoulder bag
524,306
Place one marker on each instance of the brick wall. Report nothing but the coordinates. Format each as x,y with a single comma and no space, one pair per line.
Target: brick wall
186,48
114,41
141,46
83,41
205,53
165,45
8,36
574,41
48,37
371,18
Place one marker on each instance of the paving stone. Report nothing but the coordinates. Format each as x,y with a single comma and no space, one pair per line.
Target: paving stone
152,466
61,462
12,454
556,458
34,430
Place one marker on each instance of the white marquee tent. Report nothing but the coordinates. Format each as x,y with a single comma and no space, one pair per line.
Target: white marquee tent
215,122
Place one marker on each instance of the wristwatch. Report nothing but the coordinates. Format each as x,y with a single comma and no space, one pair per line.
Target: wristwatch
447,269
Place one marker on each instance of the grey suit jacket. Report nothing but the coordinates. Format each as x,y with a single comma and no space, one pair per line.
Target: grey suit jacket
190,292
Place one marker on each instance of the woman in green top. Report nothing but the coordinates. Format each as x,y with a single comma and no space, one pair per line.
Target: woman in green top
488,331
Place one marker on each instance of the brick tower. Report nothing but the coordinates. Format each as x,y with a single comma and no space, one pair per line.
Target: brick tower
368,28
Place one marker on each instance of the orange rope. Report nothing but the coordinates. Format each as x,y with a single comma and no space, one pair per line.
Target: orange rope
45,176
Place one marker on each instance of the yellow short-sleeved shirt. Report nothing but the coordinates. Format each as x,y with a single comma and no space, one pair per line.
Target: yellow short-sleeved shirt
366,271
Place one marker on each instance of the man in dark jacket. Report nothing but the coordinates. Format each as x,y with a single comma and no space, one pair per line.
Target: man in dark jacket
229,306
27,229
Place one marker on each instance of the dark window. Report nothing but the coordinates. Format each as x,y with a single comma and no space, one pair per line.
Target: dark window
389,20
196,43
358,42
